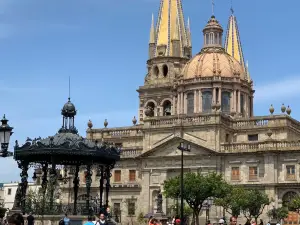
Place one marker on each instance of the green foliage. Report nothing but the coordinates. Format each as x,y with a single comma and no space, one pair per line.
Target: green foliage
279,214
38,203
141,218
187,210
294,205
253,203
232,201
197,189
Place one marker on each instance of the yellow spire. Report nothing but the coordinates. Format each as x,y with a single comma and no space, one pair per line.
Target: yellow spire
233,44
189,33
152,32
170,23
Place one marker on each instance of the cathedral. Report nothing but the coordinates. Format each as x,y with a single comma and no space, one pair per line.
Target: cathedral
205,101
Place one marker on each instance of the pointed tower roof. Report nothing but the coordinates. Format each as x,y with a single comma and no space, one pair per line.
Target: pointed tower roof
170,23
152,32
233,45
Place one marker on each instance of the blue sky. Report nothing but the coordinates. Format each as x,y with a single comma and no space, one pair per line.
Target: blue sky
103,46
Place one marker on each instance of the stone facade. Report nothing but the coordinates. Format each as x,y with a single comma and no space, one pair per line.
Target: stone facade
207,102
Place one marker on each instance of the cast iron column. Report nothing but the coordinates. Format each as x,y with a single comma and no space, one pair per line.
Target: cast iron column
24,176
88,181
101,186
44,185
76,186
107,186
53,180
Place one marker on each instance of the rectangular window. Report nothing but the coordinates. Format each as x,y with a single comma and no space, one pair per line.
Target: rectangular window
9,191
190,103
235,173
132,175
290,172
131,208
253,137
117,176
253,173
227,138
117,210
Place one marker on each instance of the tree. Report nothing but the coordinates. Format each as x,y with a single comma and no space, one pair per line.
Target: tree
232,202
279,213
294,204
253,202
197,189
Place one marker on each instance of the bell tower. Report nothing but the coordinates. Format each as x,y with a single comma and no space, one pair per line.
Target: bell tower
170,48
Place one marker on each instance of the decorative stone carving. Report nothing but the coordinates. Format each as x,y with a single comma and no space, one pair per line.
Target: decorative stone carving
271,109
283,108
105,123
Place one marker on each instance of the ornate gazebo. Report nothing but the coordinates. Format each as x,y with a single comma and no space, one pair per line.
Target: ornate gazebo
67,151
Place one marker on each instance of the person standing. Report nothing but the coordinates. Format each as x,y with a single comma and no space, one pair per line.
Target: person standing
90,221
233,220
102,220
66,220
30,219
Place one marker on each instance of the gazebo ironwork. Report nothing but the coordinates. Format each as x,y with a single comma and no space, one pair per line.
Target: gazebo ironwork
68,149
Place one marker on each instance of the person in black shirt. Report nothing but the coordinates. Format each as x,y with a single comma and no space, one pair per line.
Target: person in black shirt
30,219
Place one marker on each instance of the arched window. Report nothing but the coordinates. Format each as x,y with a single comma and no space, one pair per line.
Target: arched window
167,108
225,104
288,197
207,39
190,103
149,110
206,101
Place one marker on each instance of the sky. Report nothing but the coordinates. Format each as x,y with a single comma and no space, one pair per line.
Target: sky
103,47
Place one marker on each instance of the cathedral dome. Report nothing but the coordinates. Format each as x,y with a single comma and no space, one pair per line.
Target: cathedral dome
213,62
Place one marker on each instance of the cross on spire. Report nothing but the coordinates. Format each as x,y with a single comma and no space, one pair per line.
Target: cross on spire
213,7
231,8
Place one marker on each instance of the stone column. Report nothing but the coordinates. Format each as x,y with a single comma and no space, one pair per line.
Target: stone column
234,101
195,101
214,95
220,96
239,102
178,103
185,103
251,105
173,105
200,101
182,103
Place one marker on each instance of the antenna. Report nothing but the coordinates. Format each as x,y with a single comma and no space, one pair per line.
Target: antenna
213,7
69,87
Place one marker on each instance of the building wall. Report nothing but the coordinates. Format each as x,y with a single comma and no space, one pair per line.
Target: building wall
10,190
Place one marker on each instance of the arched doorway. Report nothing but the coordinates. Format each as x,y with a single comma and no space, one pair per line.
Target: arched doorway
293,217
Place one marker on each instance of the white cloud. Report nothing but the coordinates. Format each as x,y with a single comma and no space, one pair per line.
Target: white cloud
278,90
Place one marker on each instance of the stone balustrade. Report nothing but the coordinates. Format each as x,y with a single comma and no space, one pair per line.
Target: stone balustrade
117,132
131,152
179,121
269,145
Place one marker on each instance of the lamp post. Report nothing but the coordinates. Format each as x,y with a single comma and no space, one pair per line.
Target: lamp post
183,148
5,133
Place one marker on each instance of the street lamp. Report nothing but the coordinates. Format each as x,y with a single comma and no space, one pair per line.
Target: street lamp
5,133
183,148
